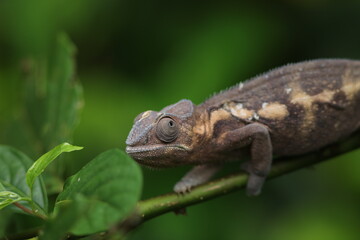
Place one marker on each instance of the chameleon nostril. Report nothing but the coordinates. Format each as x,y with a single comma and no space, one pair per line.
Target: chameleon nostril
129,141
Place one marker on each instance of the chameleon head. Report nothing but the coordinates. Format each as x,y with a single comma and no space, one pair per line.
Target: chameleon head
162,139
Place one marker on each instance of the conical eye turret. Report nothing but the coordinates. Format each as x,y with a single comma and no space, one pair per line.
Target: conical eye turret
167,129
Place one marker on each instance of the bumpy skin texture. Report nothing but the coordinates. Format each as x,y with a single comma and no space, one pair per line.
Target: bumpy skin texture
292,110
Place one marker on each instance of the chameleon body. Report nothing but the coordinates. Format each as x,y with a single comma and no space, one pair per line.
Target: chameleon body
291,110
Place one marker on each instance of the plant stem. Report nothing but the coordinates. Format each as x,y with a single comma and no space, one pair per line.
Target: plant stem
25,209
159,205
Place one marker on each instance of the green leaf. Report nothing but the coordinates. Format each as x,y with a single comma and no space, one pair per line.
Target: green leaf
14,165
7,198
5,219
39,165
68,213
52,101
64,94
111,184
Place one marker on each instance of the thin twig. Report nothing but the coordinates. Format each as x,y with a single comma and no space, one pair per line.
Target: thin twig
31,212
23,208
159,205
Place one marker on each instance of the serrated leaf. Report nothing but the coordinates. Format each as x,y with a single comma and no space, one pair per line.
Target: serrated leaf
7,198
14,165
111,184
39,165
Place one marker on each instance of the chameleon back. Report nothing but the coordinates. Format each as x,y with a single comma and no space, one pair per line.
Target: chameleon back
305,105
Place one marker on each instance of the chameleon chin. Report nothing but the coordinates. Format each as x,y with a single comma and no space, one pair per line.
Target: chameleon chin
291,110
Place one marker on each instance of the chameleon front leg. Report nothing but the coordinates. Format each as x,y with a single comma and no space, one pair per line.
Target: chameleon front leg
196,176
257,137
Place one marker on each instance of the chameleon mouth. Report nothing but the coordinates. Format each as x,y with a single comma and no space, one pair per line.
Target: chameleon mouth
152,149
158,156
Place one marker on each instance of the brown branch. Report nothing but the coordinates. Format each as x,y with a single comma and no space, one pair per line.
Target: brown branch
28,211
23,208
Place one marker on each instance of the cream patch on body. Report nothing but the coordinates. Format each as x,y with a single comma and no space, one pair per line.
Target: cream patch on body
351,83
300,97
237,110
217,115
145,115
199,129
275,111
324,97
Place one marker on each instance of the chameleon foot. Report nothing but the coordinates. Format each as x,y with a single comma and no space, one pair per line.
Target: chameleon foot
255,181
183,187
196,176
254,184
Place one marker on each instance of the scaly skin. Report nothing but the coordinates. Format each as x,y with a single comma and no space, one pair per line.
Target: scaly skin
291,110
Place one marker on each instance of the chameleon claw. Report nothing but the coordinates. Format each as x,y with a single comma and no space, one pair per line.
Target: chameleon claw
182,187
254,185
255,182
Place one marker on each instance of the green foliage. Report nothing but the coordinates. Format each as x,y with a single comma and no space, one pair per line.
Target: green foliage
59,227
7,198
102,193
14,165
111,185
39,165
66,219
52,100
140,55
62,100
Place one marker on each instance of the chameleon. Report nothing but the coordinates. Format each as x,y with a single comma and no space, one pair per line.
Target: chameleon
291,110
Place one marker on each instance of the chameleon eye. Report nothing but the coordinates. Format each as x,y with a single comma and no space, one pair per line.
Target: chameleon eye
167,130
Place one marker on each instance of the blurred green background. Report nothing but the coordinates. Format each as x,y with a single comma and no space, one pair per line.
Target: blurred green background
138,55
